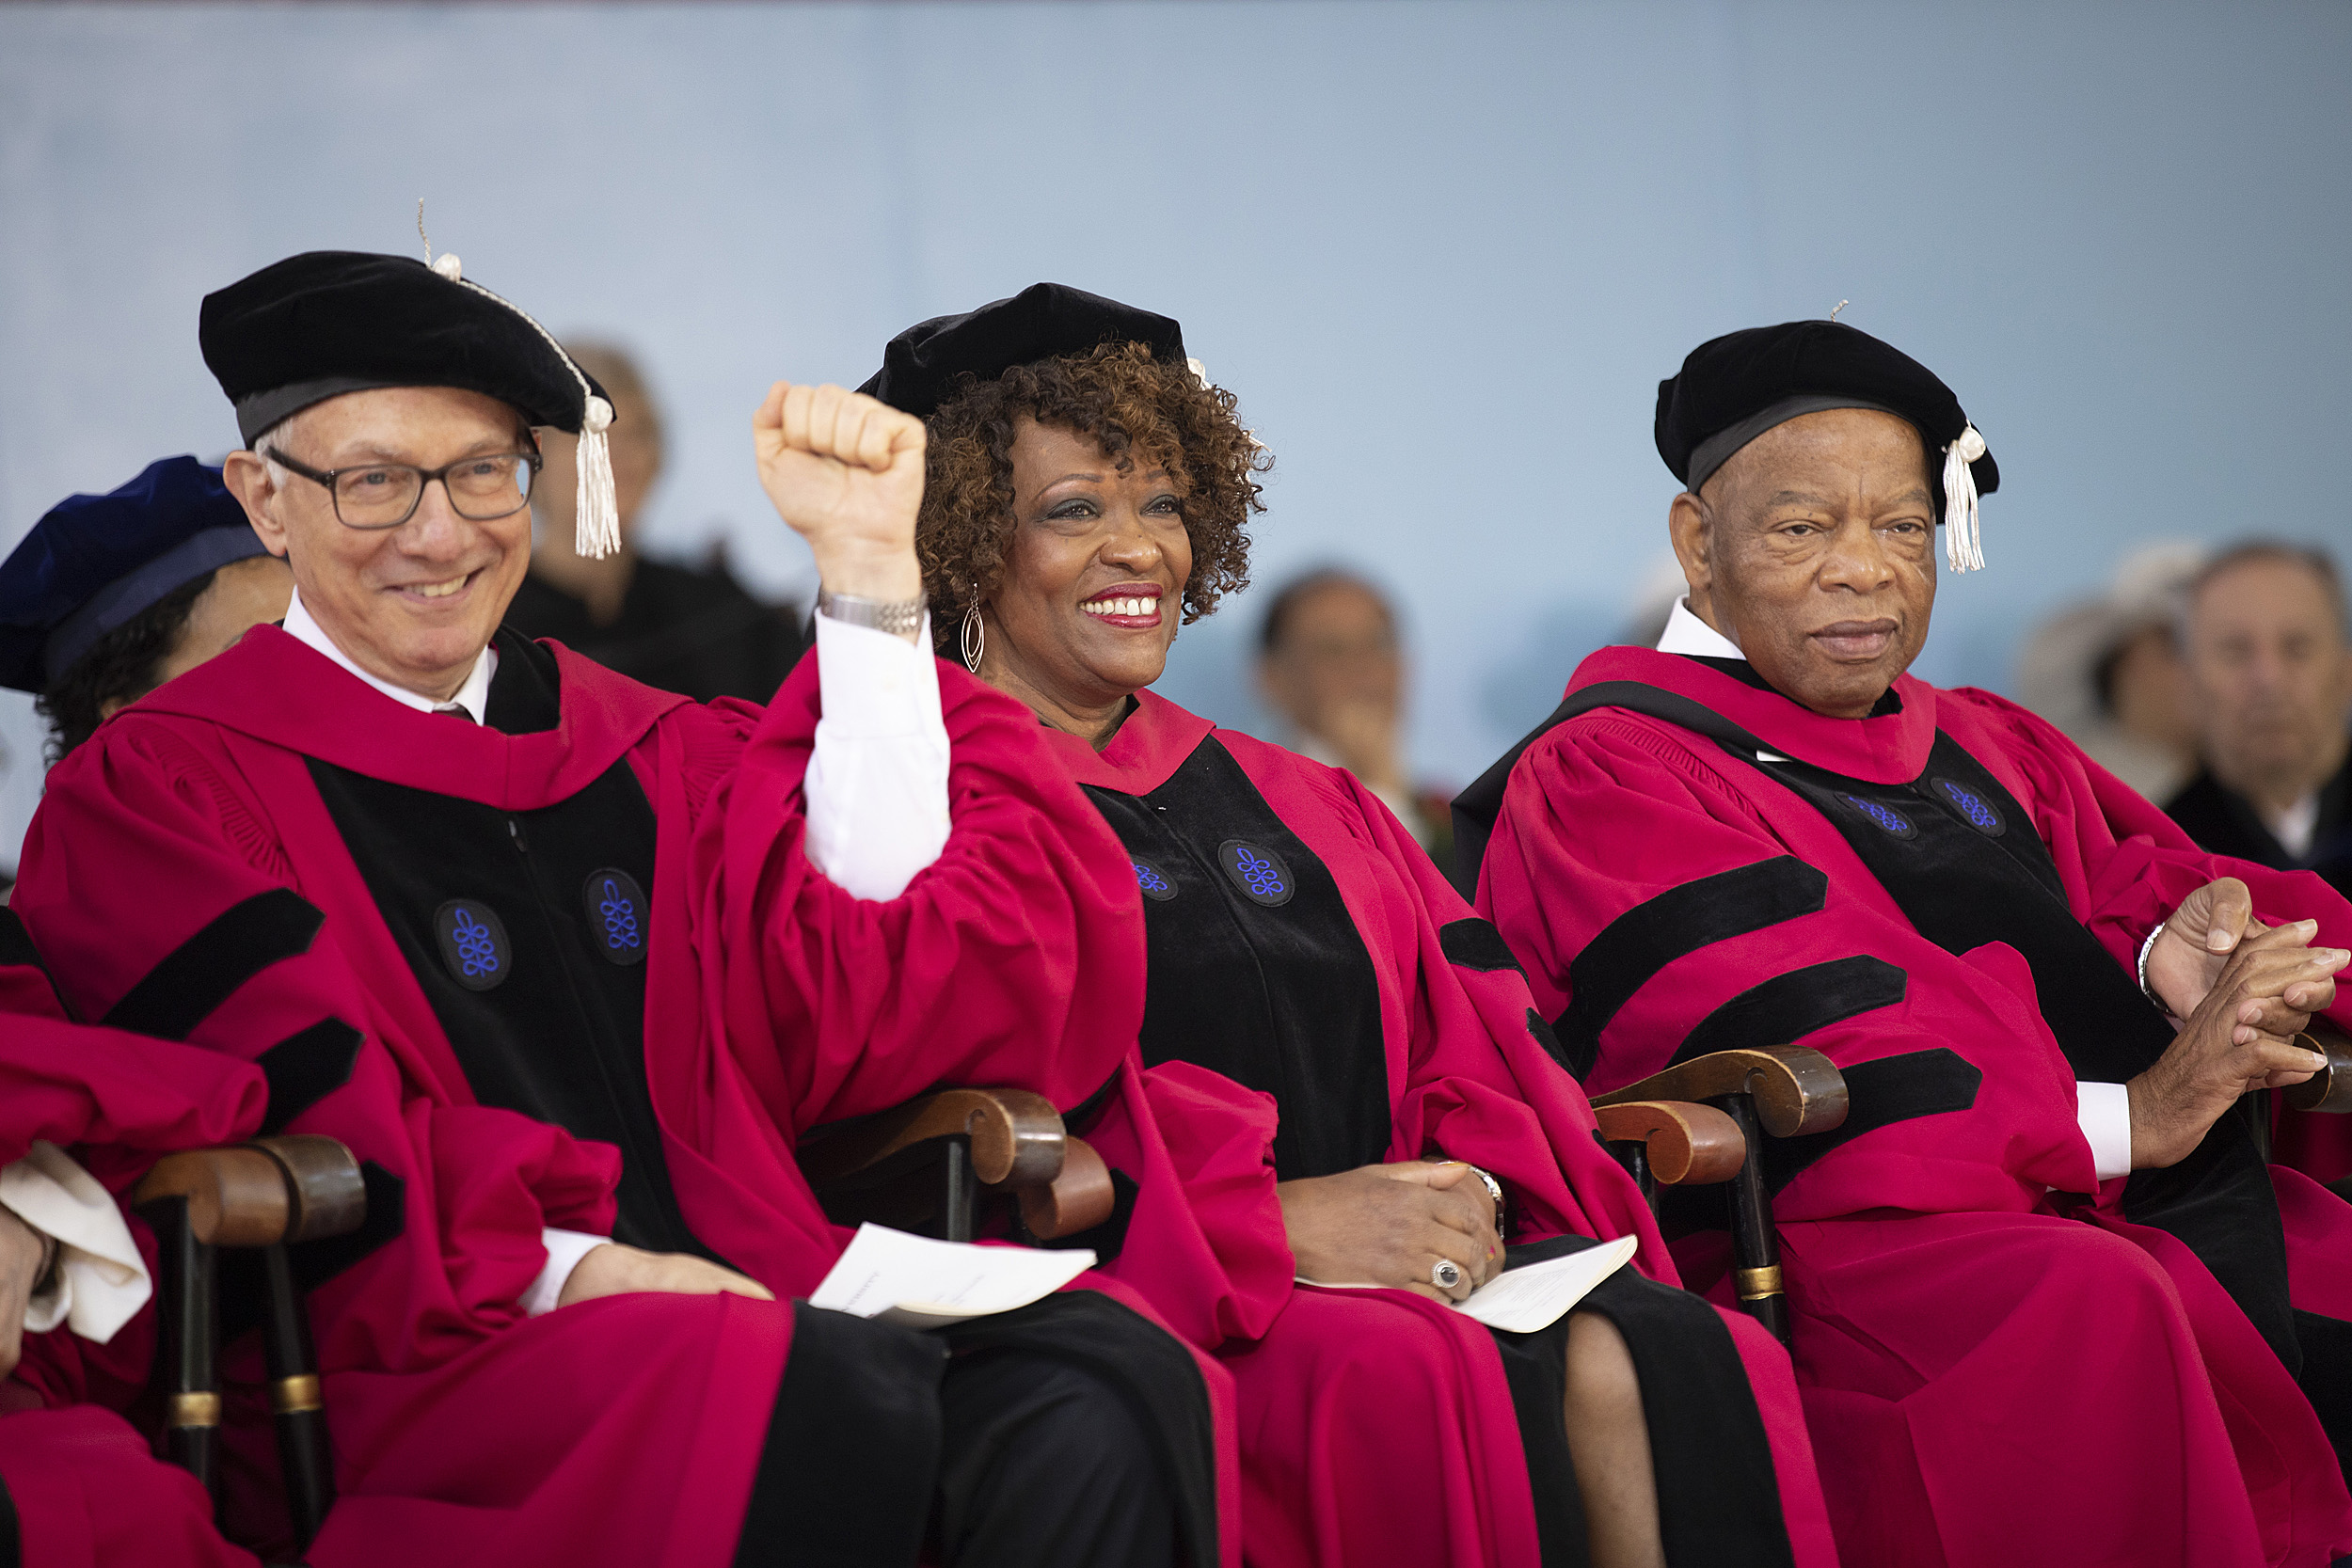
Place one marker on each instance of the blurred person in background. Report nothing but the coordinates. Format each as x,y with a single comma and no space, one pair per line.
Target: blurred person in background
2107,672
1330,664
681,628
2270,666
109,597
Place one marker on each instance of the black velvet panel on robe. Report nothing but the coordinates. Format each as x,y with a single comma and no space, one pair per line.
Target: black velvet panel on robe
1257,970
1961,857
1273,988
559,1032
1718,1495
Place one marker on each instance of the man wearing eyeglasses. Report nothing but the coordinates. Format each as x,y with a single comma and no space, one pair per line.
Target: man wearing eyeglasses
571,964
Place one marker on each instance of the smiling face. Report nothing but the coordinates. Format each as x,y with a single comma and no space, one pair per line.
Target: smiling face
413,605
1814,549
1093,577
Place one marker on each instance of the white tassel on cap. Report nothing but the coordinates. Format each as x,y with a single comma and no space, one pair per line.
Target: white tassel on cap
597,531
1964,548
597,521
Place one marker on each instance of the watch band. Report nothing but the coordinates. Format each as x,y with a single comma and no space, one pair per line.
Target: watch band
2145,988
899,617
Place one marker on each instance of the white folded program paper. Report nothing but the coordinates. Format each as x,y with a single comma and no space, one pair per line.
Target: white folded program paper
919,1283
1522,1300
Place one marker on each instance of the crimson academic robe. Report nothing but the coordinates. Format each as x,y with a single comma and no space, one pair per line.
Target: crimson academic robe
1947,899
570,968
79,1485
1305,953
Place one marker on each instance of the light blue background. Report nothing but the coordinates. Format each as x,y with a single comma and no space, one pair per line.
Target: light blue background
1442,251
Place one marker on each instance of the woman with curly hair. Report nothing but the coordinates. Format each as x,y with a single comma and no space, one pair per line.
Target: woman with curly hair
1086,490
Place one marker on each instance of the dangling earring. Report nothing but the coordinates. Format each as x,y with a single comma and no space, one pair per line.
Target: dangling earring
975,637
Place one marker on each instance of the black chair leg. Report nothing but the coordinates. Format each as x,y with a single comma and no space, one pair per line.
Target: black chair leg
1754,1239
1634,1157
192,1406
299,1414
962,1196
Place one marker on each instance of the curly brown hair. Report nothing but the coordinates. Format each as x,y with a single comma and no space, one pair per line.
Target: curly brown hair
1132,404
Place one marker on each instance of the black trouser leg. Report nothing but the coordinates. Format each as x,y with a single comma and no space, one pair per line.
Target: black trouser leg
1046,1465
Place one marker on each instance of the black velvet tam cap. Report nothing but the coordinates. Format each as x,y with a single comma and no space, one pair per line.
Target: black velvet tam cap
96,562
1727,383
923,366
329,321
1733,389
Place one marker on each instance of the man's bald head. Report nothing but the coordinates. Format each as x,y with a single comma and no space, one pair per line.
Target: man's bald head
1813,547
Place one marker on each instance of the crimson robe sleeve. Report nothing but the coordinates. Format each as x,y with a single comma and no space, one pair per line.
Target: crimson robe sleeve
114,1102
1015,958
207,943
1660,916
1481,1082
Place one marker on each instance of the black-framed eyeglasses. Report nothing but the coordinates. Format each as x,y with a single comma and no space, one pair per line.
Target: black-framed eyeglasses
385,495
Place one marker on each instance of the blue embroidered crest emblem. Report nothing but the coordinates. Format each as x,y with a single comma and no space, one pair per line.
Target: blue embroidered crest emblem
1979,813
473,944
1152,881
1885,815
617,915
1258,873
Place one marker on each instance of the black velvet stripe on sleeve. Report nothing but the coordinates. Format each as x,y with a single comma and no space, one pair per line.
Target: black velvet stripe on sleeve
201,972
1880,1094
1474,943
1551,1042
1632,948
1718,1495
304,1068
845,1476
18,952
1786,1007
1148,1366
11,1538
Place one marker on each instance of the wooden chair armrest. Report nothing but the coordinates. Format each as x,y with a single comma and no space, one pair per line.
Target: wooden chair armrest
2330,1089
1688,1145
289,1189
1795,1089
1017,1139
1079,1198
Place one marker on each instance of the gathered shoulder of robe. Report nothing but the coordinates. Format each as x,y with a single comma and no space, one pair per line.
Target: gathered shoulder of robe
570,968
1304,951
1947,899
79,1483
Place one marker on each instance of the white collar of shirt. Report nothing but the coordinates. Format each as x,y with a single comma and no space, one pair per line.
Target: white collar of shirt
2297,826
1686,633
474,696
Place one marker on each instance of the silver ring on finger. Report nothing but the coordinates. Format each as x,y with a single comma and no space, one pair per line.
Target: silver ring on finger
1447,1275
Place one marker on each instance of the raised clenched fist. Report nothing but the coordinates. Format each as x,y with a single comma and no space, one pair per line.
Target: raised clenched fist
846,473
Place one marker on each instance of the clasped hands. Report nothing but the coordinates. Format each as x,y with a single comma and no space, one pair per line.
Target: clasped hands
2243,990
1392,1224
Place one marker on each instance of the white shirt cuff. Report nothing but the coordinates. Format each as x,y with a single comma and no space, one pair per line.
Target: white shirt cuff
877,779
565,1248
2104,1113
99,1282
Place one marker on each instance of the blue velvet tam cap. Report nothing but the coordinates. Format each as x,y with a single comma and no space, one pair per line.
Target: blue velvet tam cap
96,562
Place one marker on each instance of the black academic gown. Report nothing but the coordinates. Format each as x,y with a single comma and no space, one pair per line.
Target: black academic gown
680,629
